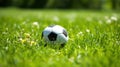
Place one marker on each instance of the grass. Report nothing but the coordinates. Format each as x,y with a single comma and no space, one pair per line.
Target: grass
94,38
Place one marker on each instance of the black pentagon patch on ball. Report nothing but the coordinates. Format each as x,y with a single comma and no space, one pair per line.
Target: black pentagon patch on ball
65,32
52,36
51,26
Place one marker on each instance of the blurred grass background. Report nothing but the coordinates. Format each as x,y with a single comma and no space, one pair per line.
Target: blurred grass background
63,4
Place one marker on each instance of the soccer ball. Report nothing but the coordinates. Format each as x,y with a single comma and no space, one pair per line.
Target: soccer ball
55,34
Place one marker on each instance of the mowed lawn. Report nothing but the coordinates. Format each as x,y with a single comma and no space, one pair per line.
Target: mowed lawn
94,38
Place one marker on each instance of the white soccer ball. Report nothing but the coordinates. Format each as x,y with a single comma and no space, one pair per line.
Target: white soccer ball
55,34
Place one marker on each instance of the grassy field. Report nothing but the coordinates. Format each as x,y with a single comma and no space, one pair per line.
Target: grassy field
94,38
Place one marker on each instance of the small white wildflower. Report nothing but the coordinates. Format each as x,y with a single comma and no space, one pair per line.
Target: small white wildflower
55,18
20,39
114,18
78,46
87,30
6,48
80,33
35,23
79,56
71,59
106,17
109,21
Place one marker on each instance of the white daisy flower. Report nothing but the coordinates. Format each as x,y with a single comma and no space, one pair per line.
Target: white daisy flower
108,21
114,18
87,30
80,33
35,23
55,18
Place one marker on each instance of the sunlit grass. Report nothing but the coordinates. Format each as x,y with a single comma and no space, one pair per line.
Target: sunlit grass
94,38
